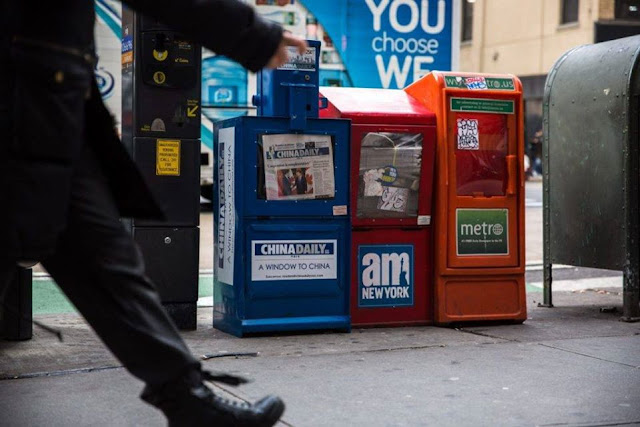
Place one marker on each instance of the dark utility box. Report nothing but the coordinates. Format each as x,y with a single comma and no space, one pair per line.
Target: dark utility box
171,259
161,109
176,186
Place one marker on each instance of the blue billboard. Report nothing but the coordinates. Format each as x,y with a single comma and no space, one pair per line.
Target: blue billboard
390,43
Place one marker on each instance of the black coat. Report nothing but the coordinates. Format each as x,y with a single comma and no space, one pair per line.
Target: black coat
50,106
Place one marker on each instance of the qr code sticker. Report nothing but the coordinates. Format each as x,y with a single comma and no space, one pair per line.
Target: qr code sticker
468,134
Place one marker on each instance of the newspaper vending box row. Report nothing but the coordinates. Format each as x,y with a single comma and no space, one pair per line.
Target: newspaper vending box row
371,207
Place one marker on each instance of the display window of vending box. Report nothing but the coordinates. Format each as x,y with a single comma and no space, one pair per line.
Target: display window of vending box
479,205
392,169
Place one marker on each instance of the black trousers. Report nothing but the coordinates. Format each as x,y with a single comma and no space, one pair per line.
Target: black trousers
101,270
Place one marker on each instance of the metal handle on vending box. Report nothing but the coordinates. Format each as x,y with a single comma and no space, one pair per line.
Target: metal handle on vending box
512,171
298,107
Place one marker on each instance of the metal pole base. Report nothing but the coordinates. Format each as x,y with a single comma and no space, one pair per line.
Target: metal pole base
631,295
546,291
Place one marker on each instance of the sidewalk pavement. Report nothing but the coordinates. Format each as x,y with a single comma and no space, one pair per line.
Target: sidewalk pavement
569,365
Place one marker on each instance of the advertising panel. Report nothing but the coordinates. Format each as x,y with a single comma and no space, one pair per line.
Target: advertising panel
391,43
294,260
225,247
482,232
109,52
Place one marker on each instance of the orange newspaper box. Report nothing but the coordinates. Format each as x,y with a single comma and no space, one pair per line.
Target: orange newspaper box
479,209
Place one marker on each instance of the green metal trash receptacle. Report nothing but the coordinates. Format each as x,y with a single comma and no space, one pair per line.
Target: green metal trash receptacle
591,164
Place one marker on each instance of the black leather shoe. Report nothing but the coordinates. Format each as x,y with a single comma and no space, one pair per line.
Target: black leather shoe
188,402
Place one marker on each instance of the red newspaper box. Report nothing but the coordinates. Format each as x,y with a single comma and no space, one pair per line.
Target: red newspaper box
393,141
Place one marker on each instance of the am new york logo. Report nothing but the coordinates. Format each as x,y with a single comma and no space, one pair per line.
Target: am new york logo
385,276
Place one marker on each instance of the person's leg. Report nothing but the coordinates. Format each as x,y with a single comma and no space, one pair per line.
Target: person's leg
101,270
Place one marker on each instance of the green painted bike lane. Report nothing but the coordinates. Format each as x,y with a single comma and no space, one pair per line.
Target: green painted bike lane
49,299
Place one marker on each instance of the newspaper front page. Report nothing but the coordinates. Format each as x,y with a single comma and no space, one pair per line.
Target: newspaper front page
298,167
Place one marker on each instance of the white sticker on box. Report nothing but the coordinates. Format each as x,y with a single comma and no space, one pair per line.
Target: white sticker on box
424,219
468,137
340,210
394,199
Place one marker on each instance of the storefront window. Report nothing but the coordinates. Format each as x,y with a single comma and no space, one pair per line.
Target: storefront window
570,10
628,9
467,20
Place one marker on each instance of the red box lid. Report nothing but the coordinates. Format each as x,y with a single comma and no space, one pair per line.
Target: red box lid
375,106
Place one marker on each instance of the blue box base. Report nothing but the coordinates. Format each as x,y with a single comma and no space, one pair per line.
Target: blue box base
290,324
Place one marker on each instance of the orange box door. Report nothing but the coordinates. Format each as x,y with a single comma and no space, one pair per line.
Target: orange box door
483,214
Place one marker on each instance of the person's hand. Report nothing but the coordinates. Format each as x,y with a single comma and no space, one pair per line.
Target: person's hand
281,54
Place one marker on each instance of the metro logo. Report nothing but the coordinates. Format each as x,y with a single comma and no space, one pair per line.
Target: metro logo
385,275
482,232
482,229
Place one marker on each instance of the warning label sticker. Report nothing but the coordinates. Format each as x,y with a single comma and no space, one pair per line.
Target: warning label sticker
481,105
168,157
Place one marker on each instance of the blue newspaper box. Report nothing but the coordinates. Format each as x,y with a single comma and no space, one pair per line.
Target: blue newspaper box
281,224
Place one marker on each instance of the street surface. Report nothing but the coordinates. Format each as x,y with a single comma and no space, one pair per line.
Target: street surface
572,365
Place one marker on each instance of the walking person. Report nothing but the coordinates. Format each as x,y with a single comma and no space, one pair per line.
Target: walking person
66,179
